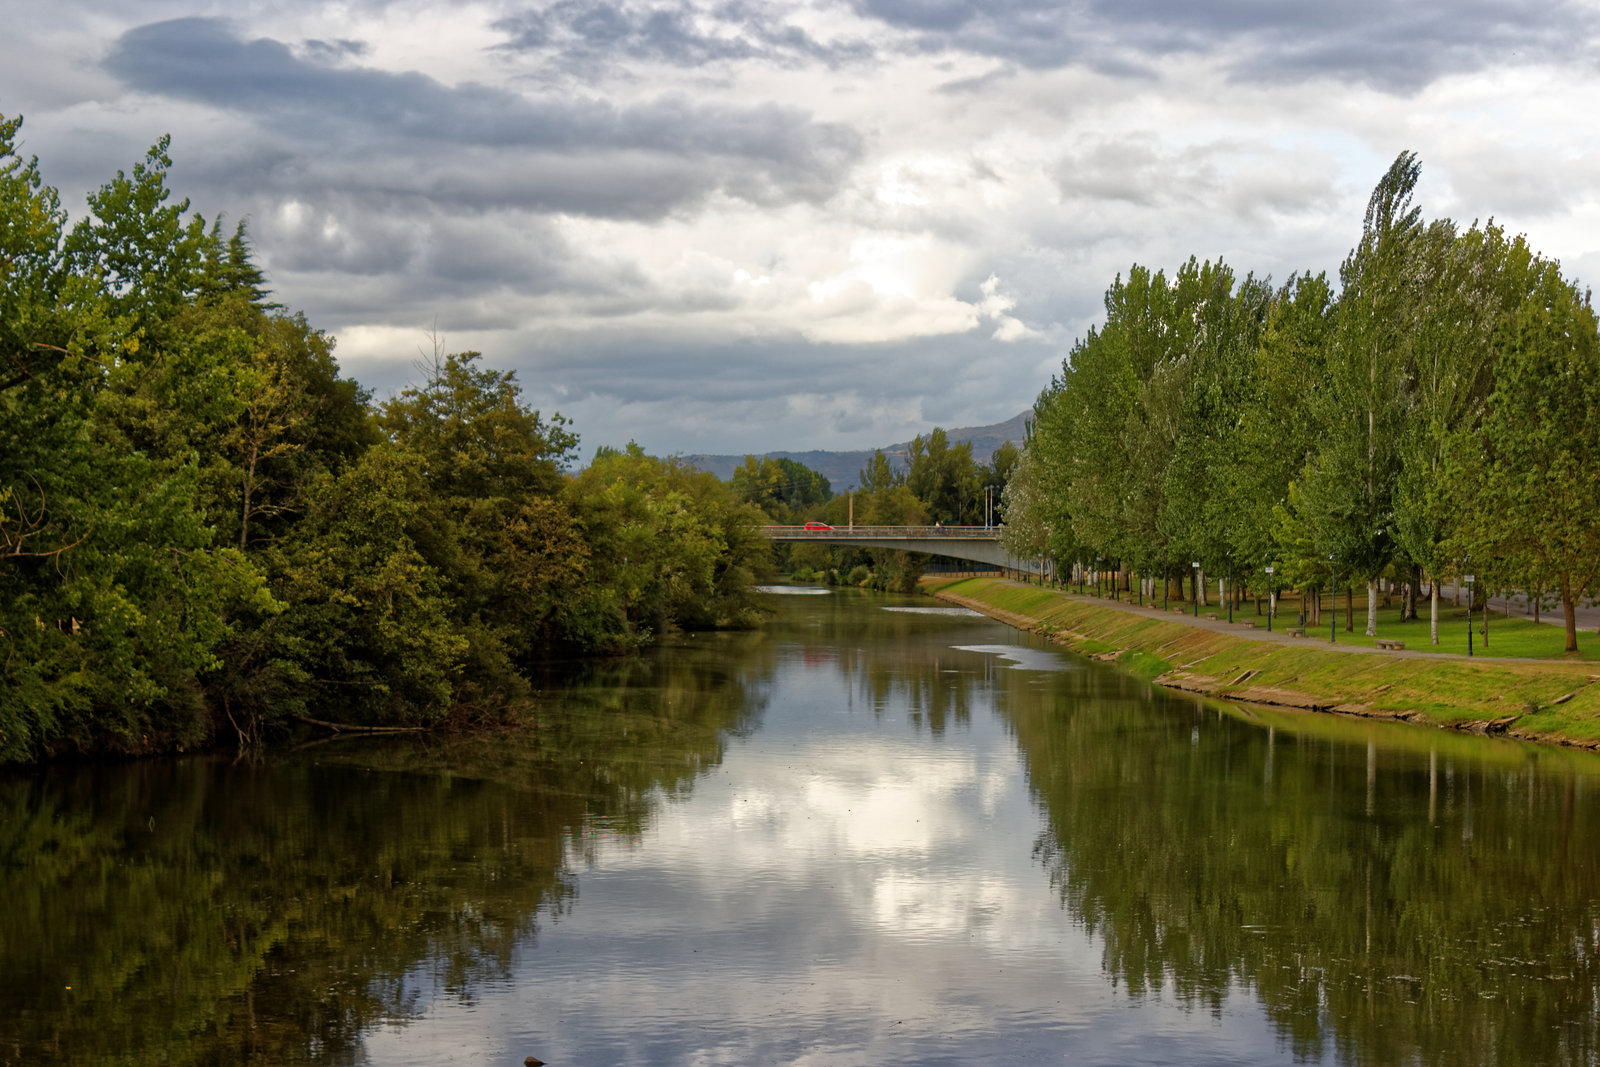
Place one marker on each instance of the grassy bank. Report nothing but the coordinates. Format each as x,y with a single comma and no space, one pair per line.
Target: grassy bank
1555,701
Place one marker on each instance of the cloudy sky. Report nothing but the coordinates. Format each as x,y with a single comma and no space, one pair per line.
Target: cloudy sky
737,225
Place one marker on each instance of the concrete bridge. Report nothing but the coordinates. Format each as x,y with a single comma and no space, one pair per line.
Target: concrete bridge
980,544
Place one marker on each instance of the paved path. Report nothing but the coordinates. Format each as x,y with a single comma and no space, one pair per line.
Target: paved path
1518,604
1277,635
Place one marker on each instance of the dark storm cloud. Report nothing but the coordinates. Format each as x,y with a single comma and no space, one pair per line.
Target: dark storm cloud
601,33
639,161
1396,47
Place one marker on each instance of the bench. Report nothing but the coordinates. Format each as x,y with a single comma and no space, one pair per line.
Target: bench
1180,611
1249,624
1211,615
1392,646
1295,631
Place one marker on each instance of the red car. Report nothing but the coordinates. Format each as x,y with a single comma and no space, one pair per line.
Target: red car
818,526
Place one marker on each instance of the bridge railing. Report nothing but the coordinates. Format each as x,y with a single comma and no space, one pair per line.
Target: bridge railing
895,533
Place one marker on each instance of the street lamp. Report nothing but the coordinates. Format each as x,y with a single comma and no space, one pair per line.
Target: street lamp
1468,578
1196,566
1270,569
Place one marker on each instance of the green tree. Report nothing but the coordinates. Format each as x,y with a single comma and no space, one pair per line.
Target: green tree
880,473
944,476
1526,477
670,546
138,245
1347,494
779,486
1468,285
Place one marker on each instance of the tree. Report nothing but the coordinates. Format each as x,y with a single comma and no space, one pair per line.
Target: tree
1526,476
670,545
779,486
1467,285
1347,493
138,245
944,477
880,473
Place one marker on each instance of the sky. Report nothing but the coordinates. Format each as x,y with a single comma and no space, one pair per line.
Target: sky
737,226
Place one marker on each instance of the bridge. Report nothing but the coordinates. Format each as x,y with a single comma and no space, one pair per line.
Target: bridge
980,544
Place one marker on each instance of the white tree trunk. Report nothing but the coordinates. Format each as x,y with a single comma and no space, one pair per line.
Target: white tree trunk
1433,623
1372,607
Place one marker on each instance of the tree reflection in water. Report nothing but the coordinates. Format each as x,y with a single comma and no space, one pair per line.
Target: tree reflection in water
1386,895
198,912
1390,895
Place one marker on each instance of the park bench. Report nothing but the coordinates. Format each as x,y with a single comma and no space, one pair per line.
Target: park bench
1295,631
1211,615
1249,624
1392,646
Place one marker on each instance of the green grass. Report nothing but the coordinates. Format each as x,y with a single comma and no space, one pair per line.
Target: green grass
1516,636
1445,691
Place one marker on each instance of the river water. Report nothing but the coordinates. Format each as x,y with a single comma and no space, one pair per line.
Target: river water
874,832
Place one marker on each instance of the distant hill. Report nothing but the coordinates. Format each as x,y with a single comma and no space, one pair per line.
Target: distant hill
843,469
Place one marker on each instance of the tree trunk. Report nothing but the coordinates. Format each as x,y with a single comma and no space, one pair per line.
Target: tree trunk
1569,607
1372,607
1349,609
1433,623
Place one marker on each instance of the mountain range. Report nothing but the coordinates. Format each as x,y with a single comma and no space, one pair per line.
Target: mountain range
843,469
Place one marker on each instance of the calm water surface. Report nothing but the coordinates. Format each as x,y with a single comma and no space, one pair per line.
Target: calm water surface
870,834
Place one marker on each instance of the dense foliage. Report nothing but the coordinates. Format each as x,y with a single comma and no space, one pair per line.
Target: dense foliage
1438,415
204,527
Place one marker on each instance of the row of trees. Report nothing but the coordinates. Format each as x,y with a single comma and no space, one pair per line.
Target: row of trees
1438,414
204,526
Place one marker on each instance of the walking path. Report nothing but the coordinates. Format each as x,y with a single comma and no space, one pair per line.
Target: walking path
1237,629
1588,616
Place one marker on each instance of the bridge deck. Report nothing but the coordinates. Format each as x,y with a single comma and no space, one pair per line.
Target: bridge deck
845,534
981,544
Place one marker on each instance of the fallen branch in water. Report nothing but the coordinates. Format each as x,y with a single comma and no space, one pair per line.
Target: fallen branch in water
338,727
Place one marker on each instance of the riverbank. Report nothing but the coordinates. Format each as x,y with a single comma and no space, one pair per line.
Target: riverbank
1551,701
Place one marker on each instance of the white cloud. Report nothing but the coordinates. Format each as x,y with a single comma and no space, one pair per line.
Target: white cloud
901,216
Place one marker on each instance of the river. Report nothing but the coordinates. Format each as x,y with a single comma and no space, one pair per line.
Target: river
874,832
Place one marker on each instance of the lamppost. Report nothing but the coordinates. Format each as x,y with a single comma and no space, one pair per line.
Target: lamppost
1270,601
1196,566
1097,561
1468,578
1333,600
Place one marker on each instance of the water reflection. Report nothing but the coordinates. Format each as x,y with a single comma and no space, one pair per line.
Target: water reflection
856,837
199,911
1387,895
1023,658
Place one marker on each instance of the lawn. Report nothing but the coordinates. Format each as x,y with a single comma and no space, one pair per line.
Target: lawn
1516,636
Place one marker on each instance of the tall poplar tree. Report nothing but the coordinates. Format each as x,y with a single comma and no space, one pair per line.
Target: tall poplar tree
1526,477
